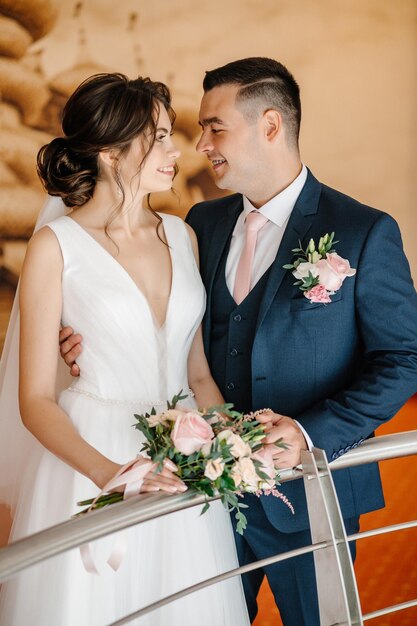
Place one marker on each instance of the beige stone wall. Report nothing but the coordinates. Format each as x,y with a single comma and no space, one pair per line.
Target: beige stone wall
355,61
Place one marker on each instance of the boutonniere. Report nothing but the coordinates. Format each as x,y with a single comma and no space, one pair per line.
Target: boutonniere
320,272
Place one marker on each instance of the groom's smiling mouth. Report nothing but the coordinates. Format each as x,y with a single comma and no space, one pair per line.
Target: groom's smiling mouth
217,163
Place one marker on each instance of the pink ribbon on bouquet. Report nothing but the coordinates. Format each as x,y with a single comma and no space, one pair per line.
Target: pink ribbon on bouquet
131,475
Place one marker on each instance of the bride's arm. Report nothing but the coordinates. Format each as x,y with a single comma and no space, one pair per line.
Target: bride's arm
40,314
200,379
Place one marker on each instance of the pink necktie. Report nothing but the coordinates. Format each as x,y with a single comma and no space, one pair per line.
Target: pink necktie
254,222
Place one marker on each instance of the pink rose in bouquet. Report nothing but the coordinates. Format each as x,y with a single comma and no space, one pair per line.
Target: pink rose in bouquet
245,470
191,432
238,448
214,469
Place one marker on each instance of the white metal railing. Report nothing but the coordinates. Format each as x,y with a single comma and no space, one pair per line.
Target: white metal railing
330,544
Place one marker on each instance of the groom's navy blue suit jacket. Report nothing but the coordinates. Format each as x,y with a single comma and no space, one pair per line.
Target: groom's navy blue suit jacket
340,369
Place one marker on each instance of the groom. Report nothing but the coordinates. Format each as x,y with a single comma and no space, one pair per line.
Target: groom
332,372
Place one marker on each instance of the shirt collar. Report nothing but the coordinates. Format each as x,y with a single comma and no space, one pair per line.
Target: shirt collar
279,208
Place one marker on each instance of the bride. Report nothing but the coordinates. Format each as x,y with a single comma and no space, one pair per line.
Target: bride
127,279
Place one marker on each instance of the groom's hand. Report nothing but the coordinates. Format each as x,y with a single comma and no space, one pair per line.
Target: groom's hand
70,348
287,429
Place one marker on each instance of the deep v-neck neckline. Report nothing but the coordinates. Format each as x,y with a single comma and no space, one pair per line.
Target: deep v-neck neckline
125,273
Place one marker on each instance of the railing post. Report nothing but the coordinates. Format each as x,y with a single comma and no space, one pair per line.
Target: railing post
336,583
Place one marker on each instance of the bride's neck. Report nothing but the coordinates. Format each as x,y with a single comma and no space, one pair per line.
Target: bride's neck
107,205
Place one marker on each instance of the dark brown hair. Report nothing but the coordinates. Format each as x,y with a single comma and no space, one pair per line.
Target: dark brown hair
264,83
105,111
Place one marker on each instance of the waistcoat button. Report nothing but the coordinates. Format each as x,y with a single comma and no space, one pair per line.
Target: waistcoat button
237,318
230,386
233,352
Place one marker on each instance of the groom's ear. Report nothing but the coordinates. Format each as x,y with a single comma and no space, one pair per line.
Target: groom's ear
272,124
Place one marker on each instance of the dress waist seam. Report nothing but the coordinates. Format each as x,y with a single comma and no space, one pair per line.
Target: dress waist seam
118,402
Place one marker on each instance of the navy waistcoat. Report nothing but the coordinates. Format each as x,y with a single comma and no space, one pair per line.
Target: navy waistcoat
232,333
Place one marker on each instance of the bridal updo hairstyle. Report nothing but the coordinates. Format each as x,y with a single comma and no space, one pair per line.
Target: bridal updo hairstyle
105,111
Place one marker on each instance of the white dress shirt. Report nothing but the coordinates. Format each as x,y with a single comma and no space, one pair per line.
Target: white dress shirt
278,211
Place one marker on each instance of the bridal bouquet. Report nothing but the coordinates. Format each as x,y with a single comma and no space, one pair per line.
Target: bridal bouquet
214,451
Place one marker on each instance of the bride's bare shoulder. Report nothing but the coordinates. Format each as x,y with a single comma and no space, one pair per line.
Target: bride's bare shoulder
43,246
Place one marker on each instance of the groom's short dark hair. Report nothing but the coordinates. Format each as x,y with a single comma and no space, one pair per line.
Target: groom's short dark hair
264,83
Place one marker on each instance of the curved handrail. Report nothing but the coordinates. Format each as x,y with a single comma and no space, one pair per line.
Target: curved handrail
379,449
73,533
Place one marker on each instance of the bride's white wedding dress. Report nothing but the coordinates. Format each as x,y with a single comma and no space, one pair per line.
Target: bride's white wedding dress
128,365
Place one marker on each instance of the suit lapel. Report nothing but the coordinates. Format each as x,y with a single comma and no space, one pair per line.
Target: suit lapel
221,235
299,224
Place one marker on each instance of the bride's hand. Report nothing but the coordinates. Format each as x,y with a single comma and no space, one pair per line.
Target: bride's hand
165,481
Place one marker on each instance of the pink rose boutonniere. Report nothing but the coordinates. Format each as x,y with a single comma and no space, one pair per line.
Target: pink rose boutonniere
320,272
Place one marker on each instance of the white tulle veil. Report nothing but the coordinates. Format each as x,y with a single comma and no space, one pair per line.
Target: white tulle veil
16,443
